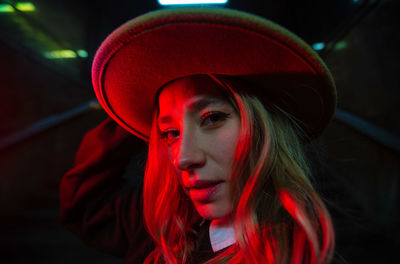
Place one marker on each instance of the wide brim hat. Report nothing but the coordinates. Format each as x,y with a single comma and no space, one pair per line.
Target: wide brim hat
147,52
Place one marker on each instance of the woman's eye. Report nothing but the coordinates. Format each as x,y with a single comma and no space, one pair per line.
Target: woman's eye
213,118
170,135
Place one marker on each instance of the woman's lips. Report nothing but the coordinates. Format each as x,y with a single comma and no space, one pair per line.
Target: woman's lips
203,190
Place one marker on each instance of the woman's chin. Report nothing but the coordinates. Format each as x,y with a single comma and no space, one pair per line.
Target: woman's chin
213,211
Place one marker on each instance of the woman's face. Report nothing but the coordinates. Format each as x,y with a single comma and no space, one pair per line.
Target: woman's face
201,129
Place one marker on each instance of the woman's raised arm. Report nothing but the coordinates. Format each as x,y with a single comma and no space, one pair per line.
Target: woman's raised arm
97,204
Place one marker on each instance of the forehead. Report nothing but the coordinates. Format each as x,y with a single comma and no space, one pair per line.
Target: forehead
188,88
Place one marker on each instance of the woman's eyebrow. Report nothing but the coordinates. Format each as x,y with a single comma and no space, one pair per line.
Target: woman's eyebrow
195,106
164,119
203,102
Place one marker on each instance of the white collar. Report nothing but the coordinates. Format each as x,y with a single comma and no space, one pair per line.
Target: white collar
221,235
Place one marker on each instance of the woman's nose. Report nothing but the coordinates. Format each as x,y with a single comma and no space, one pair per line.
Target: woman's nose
189,154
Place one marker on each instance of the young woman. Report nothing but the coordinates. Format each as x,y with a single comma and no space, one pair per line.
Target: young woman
227,101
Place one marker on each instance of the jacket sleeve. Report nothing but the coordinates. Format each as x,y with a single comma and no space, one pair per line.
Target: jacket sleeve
97,203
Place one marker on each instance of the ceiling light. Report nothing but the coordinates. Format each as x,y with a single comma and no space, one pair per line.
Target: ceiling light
60,54
25,6
340,45
318,46
65,54
20,6
6,8
191,2
82,53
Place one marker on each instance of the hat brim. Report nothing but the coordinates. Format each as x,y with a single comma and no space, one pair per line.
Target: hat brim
146,52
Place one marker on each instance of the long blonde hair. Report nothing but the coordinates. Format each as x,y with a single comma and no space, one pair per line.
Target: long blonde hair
279,218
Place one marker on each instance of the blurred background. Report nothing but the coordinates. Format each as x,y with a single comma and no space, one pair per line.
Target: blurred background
47,105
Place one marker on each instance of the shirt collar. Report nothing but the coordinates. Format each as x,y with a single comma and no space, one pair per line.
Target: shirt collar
221,235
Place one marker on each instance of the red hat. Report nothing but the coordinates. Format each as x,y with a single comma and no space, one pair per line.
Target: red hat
147,52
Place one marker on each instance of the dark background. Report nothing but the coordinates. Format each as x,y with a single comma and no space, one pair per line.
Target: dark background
45,110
